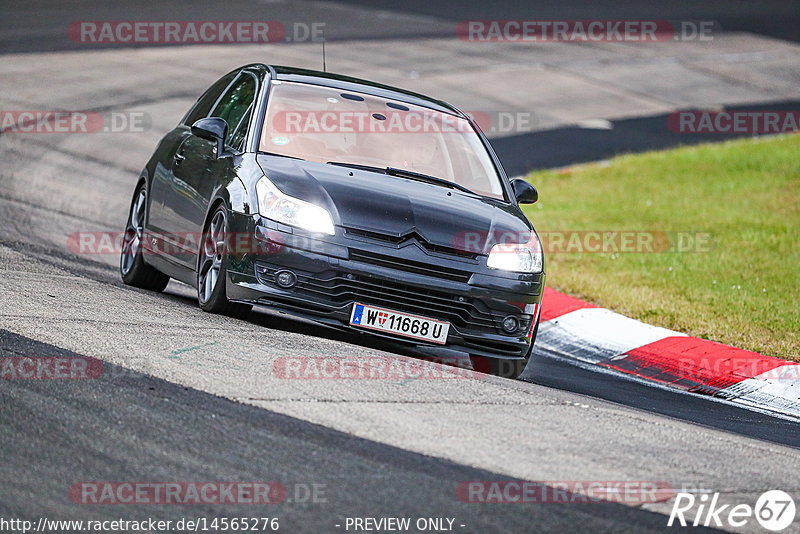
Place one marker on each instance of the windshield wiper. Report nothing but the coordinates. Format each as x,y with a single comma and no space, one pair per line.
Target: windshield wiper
279,155
358,166
402,173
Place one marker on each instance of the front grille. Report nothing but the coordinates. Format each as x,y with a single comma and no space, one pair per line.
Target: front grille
388,239
333,289
377,236
465,313
410,266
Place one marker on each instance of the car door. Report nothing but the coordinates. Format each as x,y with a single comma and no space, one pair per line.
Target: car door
163,220
198,170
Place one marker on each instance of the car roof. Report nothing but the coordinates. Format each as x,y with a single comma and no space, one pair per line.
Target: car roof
348,83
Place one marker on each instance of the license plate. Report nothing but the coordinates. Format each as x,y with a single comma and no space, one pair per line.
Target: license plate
398,323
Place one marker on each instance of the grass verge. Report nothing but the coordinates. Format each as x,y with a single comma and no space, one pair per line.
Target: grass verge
738,203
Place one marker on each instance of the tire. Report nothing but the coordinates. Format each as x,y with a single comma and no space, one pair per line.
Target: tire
212,269
505,368
510,368
134,271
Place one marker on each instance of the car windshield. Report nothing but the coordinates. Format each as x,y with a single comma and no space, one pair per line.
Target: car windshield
328,125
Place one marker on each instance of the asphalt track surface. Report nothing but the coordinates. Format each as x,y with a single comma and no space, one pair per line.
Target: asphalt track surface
201,437
186,396
569,145
775,18
36,26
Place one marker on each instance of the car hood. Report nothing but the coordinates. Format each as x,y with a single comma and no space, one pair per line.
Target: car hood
398,207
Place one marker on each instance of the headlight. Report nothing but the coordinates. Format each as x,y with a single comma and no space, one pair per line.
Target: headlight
276,205
517,257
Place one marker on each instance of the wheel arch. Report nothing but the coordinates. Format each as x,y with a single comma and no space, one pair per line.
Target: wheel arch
144,179
216,201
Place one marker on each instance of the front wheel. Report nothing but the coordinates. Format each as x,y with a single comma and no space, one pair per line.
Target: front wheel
135,272
502,367
212,269
510,368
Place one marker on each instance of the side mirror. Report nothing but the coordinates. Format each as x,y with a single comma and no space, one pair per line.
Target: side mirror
213,129
524,192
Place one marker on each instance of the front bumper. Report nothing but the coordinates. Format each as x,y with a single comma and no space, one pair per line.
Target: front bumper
411,277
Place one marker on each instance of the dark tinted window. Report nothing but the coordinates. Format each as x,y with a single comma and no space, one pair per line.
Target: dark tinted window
240,133
203,105
234,106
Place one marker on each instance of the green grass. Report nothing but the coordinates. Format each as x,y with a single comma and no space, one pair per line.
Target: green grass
745,193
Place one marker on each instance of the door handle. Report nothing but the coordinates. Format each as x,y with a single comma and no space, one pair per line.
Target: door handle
179,158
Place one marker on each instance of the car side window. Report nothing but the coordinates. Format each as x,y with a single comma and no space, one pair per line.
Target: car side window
240,132
234,106
203,106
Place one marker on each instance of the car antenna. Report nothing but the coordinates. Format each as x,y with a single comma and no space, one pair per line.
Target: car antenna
324,67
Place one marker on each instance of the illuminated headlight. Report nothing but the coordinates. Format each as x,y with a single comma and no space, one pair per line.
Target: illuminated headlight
517,257
280,207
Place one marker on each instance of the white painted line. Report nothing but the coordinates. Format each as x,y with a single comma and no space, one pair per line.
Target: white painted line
595,124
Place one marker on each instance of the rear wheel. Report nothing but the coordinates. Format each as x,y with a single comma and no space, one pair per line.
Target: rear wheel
135,272
212,269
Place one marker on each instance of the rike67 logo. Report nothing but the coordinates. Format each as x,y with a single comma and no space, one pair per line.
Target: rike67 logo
774,510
